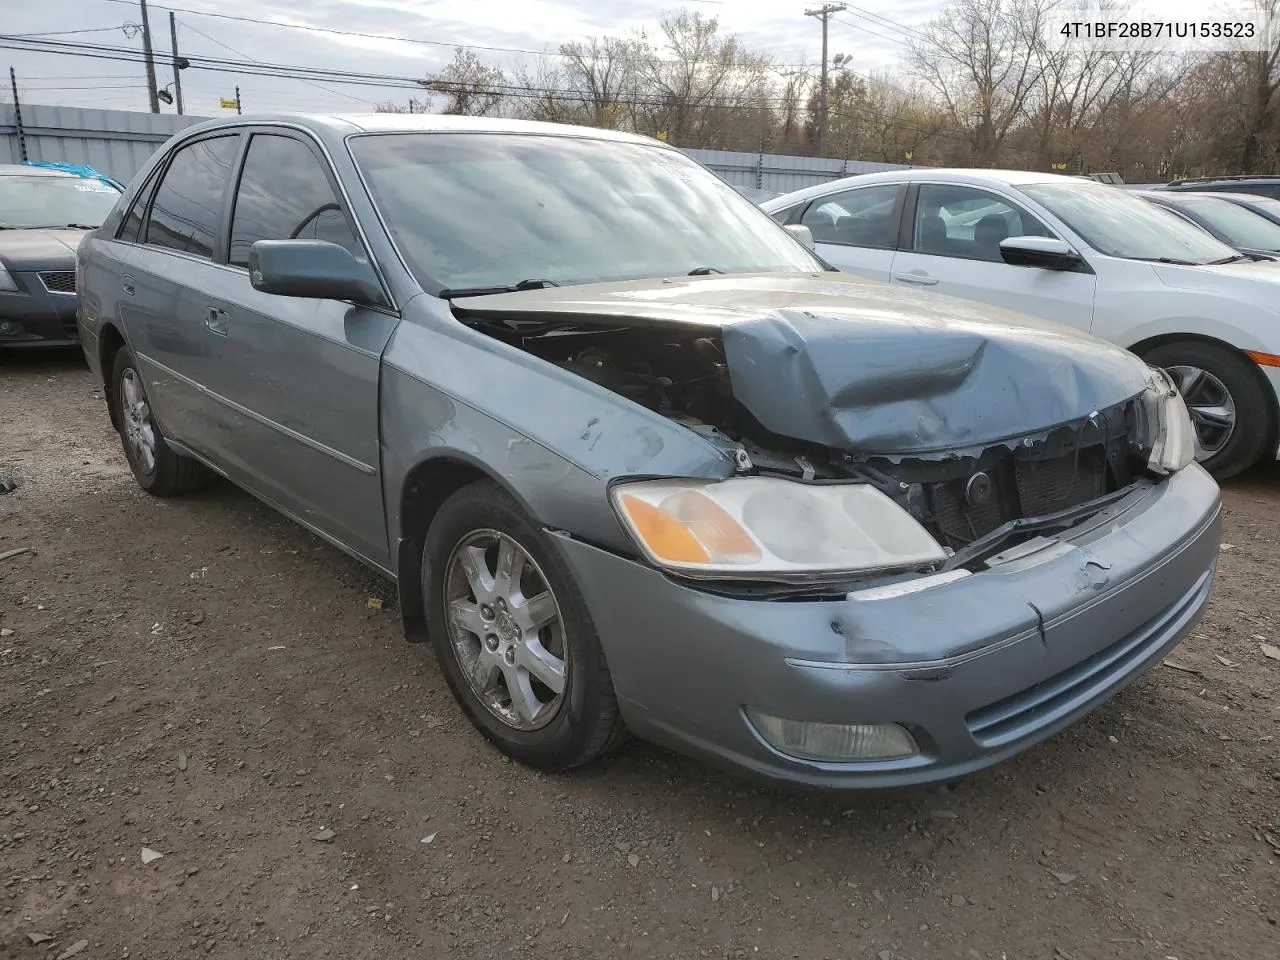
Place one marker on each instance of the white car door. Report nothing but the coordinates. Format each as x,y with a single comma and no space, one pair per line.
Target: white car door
857,230
956,231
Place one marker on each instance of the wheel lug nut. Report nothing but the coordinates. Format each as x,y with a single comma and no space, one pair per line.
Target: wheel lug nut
509,655
491,642
486,611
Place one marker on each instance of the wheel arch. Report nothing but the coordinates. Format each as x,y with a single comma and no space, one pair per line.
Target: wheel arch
426,486
1163,339
110,342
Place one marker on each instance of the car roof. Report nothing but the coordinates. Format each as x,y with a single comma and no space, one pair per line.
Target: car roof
345,124
976,178
19,170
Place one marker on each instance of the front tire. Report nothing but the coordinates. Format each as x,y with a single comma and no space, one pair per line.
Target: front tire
513,635
1232,410
156,467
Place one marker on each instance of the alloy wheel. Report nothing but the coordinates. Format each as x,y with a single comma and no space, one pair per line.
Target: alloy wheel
138,429
1212,409
506,629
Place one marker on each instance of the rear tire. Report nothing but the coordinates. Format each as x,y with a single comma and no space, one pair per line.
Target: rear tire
1213,379
483,633
156,467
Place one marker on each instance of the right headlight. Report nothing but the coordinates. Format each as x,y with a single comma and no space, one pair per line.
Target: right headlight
769,527
1173,437
7,283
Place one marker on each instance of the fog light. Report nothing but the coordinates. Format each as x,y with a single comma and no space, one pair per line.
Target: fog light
10,328
834,741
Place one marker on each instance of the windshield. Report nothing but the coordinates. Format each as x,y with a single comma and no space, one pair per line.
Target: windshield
1120,224
482,210
1241,226
54,201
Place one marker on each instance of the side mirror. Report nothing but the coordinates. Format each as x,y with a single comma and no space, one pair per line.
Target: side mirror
312,268
1048,253
801,233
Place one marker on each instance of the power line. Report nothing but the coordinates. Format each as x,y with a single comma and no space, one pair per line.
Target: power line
241,53
382,36
62,33
866,29
880,18
388,81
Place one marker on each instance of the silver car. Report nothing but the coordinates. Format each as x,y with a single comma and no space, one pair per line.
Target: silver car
635,460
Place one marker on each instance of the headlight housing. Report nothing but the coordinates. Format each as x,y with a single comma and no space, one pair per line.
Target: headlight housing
1172,435
766,527
7,283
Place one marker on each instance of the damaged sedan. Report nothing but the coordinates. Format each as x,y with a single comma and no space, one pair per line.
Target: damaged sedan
636,459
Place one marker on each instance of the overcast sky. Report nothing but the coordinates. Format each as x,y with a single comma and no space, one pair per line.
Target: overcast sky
777,26
873,32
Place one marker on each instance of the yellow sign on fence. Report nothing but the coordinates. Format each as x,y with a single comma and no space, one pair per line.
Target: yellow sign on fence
228,104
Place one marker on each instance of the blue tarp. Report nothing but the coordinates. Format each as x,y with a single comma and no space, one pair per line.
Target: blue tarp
76,169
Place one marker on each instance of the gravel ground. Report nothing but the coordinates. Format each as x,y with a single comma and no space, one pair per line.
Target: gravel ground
204,679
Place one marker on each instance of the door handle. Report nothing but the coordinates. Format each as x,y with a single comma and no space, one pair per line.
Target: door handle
920,279
126,285
216,321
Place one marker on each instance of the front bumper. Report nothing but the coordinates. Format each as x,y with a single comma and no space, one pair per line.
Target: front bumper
977,669
36,316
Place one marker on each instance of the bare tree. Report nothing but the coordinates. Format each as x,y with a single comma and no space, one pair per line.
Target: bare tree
979,57
470,87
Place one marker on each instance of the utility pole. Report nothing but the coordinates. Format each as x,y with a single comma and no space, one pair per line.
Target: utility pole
824,13
17,116
177,61
152,91
237,99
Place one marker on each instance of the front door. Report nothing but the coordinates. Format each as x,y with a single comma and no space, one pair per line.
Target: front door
300,376
956,231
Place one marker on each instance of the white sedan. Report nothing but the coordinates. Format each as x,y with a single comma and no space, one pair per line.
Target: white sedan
1082,254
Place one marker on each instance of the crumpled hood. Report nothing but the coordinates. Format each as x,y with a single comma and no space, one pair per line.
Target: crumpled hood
39,249
858,365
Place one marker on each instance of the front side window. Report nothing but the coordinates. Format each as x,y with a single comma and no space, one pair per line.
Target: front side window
284,194
960,221
486,210
1117,223
28,202
864,217
187,207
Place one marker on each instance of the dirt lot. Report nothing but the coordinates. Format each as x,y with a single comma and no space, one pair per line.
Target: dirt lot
203,678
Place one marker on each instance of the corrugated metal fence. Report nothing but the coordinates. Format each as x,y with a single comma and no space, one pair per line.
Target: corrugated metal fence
118,143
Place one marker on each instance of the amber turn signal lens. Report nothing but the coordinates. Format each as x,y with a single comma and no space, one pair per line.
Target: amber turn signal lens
662,533
1263,359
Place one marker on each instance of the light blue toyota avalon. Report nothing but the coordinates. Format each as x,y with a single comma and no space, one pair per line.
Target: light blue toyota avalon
637,460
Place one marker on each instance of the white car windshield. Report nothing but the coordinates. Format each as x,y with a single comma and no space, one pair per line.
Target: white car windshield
36,201
1119,224
471,211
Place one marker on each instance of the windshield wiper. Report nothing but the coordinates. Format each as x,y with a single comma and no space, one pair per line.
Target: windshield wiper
704,271
1236,259
82,226
450,292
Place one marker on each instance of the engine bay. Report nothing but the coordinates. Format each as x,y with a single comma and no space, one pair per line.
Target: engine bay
961,496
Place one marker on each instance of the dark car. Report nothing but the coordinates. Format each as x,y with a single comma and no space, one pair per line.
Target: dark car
1235,225
1260,186
44,214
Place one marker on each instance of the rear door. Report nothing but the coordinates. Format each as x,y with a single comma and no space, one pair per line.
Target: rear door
953,234
169,276
299,376
857,230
